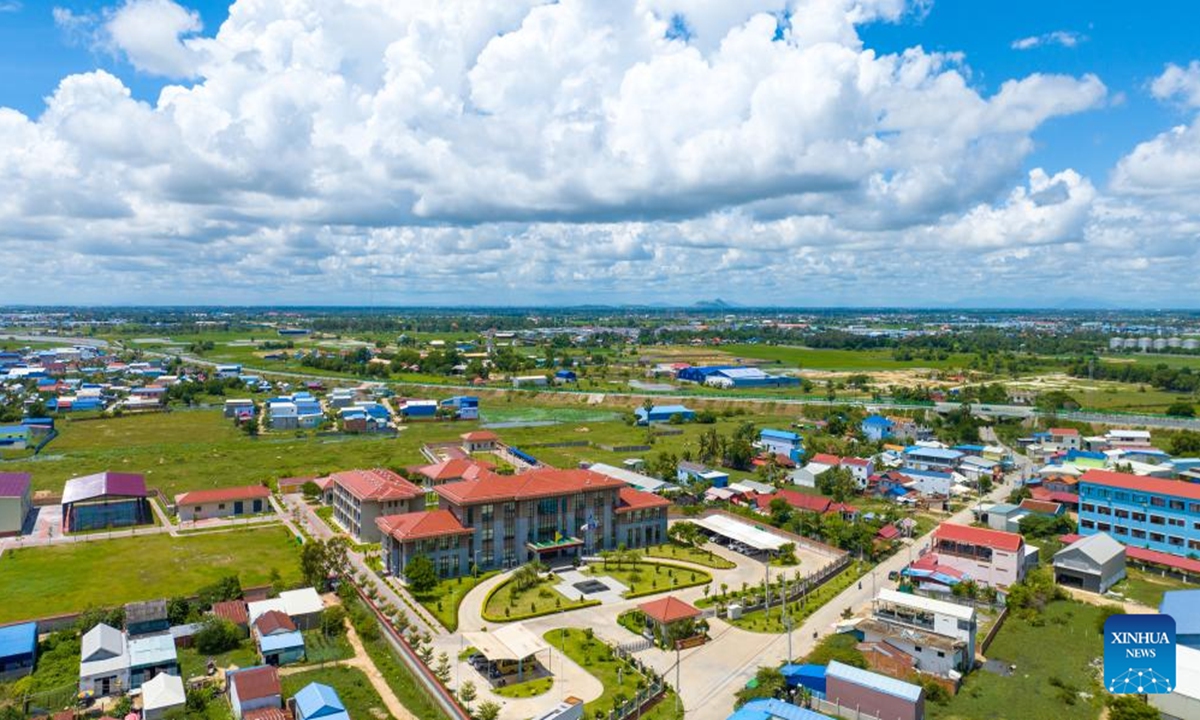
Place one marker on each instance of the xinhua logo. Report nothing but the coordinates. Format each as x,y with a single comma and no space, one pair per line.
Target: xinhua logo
1139,654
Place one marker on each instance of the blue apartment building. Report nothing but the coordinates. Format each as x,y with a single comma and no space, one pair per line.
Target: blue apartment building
1144,512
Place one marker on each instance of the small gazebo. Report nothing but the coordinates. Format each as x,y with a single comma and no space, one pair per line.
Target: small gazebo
670,619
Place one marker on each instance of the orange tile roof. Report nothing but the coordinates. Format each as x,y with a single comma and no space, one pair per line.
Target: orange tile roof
199,497
417,525
539,483
826,459
637,500
1063,431
480,436
1125,481
232,610
267,713
997,539
376,484
1040,506
668,610
455,469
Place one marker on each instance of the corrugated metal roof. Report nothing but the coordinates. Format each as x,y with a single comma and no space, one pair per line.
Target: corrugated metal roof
101,484
18,639
874,681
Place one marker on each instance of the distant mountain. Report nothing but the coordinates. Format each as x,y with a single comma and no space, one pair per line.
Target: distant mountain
714,304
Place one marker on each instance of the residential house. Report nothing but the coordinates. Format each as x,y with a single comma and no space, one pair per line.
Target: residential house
930,482
989,557
873,694
278,640
255,688
922,457
361,496
466,407
861,469
687,472
1066,438
18,650
317,701
222,502
939,636
151,655
146,618
781,442
1127,438
162,694
16,502
104,500
104,662
876,428
1094,563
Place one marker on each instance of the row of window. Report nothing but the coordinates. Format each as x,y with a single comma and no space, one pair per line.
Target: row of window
1136,534
1137,517
1151,500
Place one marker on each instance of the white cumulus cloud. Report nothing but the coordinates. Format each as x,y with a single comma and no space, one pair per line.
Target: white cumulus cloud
1062,38
1179,83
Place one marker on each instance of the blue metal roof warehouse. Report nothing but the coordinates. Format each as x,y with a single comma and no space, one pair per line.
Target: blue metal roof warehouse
18,649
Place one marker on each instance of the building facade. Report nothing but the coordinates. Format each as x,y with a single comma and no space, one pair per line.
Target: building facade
1145,512
16,502
362,496
224,502
988,557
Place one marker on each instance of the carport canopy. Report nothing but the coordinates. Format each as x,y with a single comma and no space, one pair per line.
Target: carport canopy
741,532
509,642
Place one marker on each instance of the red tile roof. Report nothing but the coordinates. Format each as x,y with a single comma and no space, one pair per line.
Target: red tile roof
888,532
800,501
1125,481
539,483
273,621
232,610
997,539
842,508
637,500
418,525
826,459
455,469
480,436
376,484
1063,431
256,683
855,461
668,610
199,497
268,713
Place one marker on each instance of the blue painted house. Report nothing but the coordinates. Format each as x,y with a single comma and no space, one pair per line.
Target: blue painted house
876,427
1143,512
782,442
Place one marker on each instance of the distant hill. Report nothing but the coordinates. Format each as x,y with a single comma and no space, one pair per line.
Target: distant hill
714,304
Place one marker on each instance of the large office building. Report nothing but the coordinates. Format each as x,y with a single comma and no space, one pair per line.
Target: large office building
498,521
1138,511
362,496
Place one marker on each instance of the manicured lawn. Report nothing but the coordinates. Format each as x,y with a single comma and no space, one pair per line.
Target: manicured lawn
399,678
352,687
542,599
1147,588
687,553
444,600
1059,646
193,664
649,577
319,648
529,688
42,581
771,620
598,659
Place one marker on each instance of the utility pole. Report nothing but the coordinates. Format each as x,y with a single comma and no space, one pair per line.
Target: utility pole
678,690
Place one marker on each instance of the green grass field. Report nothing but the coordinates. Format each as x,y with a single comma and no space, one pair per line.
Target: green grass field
527,689
444,600
192,663
598,659
542,599
646,577
698,556
1147,588
352,686
849,360
1067,627
44,581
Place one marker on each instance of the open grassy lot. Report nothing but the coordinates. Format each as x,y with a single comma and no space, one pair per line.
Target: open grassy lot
1046,683
352,687
443,601
192,663
322,648
598,659
818,359
698,556
529,688
1147,588
648,577
771,620
506,601
42,581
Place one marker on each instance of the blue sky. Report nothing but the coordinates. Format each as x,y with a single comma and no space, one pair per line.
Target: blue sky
640,151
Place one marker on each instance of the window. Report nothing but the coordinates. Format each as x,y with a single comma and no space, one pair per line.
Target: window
1088,507
916,648
1175,541
1103,527
487,512
1156,501
1193,544
1194,507
1089,524
1120,530
1139,517
1157,537
1104,510
198,508
1176,522
1176,504
1157,520
1138,534
221,506
964,625
941,654
1123,514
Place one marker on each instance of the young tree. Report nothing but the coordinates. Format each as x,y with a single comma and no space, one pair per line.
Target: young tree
421,574
488,710
443,667
467,694
333,620
770,684
216,635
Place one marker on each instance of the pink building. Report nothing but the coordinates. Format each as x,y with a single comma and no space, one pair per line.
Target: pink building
989,557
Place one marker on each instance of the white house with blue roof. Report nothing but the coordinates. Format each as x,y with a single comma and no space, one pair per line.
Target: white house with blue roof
925,457
781,442
876,427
